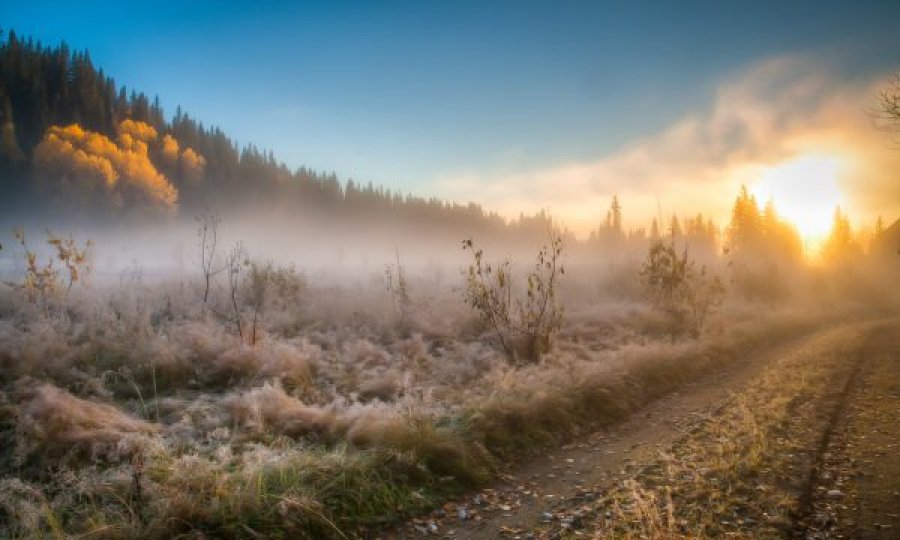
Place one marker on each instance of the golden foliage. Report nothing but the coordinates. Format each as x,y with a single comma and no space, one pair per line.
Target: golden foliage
137,130
192,164
43,281
170,150
122,168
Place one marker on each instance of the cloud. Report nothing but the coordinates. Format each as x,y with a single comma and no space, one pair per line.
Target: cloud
771,112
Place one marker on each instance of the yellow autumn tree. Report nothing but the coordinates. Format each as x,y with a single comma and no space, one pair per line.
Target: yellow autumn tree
169,150
120,169
192,164
189,162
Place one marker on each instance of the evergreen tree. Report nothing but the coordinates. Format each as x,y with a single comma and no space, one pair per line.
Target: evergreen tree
615,210
674,228
744,230
42,87
841,246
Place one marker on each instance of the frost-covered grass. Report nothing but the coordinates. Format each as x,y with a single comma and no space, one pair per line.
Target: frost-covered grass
126,411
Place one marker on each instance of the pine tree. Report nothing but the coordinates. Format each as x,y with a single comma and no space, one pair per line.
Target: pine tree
745,228
654,230
840,245
674,227
615,211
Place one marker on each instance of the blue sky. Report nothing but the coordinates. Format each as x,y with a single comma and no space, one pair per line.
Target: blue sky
409,95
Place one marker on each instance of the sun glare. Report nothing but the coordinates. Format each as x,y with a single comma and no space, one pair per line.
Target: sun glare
805,192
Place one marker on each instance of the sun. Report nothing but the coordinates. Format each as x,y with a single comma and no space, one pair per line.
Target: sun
805,192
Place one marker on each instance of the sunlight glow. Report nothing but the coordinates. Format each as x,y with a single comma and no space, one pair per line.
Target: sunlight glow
805,192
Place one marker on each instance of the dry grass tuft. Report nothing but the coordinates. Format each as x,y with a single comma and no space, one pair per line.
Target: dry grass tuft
267,360
52,423
268,409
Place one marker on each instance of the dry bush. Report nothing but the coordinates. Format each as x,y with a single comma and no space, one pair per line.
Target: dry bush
207,243
525,326
273,293
52,423
398,289
259,295
236,264
43,283
285,297
677,288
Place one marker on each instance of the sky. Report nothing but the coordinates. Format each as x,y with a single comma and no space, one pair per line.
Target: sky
523,105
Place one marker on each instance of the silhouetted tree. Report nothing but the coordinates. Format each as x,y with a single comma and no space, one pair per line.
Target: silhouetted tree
841,246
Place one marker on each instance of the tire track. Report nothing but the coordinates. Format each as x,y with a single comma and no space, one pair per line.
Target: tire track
805,510
856,493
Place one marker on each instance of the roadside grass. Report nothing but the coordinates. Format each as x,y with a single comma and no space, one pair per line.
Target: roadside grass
532,413
275,486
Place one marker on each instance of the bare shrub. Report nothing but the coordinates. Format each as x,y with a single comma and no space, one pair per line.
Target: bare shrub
677,288
261,296
76,260
258,285
269,290
524,327
207,240
42,282
236,263
398,289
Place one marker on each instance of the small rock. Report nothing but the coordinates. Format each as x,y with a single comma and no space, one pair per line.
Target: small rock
835,494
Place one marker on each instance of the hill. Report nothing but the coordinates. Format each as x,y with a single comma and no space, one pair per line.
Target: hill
74,144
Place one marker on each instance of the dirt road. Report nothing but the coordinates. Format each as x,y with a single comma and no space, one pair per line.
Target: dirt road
855,491
781,431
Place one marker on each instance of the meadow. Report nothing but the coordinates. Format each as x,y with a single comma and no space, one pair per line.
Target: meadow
275,402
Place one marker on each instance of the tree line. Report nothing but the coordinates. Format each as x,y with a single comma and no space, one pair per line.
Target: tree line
46,88
63,119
